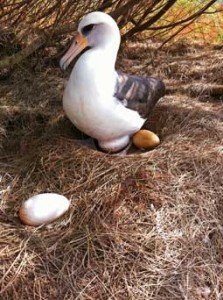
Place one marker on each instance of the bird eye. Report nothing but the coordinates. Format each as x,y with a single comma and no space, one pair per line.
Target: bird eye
87,29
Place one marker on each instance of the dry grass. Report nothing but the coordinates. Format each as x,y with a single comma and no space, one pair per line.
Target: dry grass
139,227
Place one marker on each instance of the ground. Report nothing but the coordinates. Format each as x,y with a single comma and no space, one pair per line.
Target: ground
147,226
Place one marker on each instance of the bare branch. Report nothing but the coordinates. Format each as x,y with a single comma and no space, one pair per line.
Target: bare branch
36,44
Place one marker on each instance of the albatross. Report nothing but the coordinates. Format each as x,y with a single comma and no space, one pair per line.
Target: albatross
107,105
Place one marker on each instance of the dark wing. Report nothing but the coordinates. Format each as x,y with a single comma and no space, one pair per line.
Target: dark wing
139,93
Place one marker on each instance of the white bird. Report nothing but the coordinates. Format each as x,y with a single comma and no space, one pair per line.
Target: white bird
107,105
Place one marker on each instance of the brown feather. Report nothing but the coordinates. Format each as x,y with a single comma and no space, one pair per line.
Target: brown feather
139,93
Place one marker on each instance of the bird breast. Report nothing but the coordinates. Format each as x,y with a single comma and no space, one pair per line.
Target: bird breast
89,103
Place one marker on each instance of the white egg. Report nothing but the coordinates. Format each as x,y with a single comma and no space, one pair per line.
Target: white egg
43,208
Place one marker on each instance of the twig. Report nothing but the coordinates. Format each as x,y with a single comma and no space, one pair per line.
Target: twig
9,61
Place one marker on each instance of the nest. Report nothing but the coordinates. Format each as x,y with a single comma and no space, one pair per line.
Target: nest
139,227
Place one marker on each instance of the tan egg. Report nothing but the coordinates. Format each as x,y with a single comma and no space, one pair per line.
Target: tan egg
145,139
43,209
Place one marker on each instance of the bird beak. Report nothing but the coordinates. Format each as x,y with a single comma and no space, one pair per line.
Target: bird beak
79,44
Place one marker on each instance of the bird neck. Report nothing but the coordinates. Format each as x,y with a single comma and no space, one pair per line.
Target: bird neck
107,46
96,69
100,57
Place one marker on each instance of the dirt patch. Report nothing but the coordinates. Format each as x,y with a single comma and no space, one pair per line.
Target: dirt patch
143,227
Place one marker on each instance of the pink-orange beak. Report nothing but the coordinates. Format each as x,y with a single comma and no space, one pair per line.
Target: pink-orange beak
79,44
